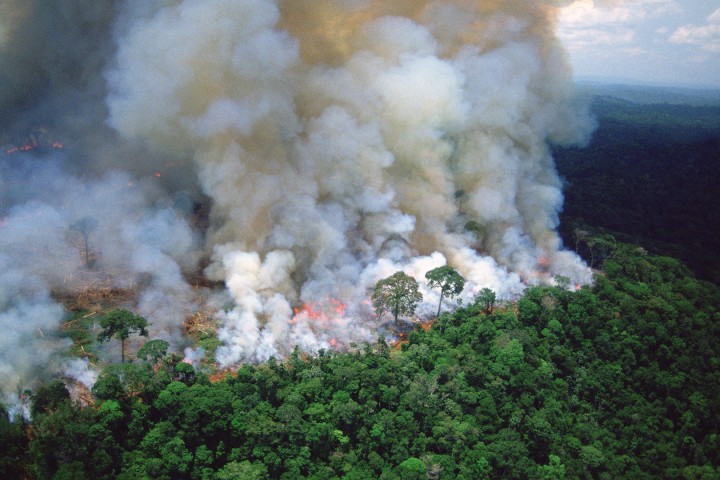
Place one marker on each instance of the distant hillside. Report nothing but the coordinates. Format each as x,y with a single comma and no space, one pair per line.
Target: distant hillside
650,175
644,94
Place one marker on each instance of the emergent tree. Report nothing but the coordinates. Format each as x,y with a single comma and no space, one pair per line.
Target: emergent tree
486,298
121,323
450,282
397,294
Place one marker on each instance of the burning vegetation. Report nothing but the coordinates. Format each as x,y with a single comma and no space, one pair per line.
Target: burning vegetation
245,188
39,142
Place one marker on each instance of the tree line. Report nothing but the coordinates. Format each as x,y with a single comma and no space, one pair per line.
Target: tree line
615,380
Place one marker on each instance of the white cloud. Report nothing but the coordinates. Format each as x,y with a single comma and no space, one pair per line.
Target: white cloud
586,13
634,51
668,41
608,22
714,17
583,13
707,36
578,39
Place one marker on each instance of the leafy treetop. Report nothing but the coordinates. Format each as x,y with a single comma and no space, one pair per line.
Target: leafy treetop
121,323
450,282
153,350
486,298
397,294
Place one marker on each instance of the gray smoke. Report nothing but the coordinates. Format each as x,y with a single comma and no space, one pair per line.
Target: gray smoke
137,241
342,140
334,141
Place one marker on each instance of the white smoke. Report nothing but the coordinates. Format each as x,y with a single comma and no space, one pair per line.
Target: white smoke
341,141
79,370
193,356
136,240
333,142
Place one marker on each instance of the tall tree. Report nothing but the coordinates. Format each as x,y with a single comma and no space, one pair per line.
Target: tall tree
121,323
397,294
450,282
486,297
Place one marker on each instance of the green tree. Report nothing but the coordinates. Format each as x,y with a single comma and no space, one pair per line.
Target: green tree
486,298
108,386
121,323
242,471
450,282
184,372
412,468
49,396
554,470
397,294
600,247
13,445
153,350
616,380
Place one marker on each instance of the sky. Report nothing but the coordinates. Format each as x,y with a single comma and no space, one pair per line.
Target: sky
667,42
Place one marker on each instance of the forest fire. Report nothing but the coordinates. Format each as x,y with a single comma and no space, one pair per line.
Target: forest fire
33,144
543,263
330,310
238,181
325,156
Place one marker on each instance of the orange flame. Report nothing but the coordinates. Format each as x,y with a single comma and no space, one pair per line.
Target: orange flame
32,144
328,311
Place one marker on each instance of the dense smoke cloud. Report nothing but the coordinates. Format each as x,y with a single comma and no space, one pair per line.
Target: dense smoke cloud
335,142
137,240
334,136
52,58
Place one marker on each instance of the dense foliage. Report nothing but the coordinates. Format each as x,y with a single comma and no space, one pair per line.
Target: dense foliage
650,176
617,380
121,323
397,294
448,280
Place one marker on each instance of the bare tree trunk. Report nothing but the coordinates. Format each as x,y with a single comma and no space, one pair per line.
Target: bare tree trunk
87,251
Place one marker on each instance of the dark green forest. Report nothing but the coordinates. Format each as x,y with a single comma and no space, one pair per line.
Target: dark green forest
616,380
649,176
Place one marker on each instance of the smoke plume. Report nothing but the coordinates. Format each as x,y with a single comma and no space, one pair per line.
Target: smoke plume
334,142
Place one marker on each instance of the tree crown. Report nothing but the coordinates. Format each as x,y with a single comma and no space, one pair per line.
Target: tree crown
450,282
398,294
121,323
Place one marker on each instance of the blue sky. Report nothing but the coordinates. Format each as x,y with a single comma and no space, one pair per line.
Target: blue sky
673,42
